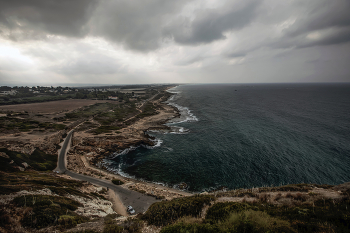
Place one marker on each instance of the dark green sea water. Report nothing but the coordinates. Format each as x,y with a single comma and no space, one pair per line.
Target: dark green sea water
249,135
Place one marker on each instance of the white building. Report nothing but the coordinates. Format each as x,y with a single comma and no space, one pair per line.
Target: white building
12,92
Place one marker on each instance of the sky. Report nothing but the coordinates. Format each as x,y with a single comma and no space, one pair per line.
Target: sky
46,42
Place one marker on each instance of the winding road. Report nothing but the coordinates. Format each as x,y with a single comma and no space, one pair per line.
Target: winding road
138,201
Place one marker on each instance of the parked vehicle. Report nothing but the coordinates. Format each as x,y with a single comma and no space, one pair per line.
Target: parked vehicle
130,210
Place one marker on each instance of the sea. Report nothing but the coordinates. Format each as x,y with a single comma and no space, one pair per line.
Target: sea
247,135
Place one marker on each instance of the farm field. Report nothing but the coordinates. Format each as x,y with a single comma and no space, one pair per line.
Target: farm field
51,107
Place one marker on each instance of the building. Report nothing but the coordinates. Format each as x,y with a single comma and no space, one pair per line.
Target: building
112,98
12,92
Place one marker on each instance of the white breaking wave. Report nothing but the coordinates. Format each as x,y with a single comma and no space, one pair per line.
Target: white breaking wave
157,143
123,152
179,130
186,114
116,170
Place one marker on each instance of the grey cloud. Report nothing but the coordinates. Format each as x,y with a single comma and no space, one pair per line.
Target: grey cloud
92,64
136,24
211,24
339,36
329,18
319,15
190,61
236,54
33,19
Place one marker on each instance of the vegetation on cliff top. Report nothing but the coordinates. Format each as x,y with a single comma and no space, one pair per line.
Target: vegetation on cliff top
38,160
166,212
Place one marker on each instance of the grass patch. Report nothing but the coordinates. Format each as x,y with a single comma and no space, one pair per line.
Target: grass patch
38,160
148,110
25,125
105,129
49,210
117,182
16,181
166,212
72,191
303,218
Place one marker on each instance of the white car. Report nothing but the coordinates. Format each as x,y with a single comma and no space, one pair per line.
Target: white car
130,209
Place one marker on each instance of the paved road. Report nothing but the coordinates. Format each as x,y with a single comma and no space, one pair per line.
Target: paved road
62,164
137,200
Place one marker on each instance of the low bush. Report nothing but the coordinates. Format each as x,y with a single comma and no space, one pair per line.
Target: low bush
85,231
133,225
47,210
303,218
166,212
244,221
64,191
98,196
222,210
191,228
117,182
112,227
69,221
38,160
105,129
254,221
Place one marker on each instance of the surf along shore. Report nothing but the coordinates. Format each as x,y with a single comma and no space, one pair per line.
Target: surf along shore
88,150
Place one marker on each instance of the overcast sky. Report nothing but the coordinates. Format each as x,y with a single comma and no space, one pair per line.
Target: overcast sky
173,41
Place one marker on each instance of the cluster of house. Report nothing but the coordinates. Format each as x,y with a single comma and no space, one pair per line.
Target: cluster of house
103,89
38,90
12,92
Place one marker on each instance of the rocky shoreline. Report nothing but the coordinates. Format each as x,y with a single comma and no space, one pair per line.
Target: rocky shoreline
88,151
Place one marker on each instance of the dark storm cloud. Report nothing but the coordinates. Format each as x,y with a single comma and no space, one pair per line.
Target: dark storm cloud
145,25
33,19
136,24
234,55
93,64
211,24
321,23
320,15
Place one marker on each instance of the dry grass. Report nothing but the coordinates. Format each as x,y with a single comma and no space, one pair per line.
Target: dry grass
264,197
50,107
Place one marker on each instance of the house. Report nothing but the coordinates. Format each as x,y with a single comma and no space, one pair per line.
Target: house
113,89
112,98
12,92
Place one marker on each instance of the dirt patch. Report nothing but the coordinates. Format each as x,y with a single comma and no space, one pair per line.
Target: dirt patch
50,107
117,204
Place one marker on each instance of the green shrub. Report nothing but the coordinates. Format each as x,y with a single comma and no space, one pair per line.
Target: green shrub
303,218
112,228
47,210
222,210
38,160
191,228
111,217
85,231
117,182
133,225
166,212
68,221
64,191
255,221
98,195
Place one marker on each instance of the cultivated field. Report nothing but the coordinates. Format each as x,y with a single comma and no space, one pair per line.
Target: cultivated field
50,107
